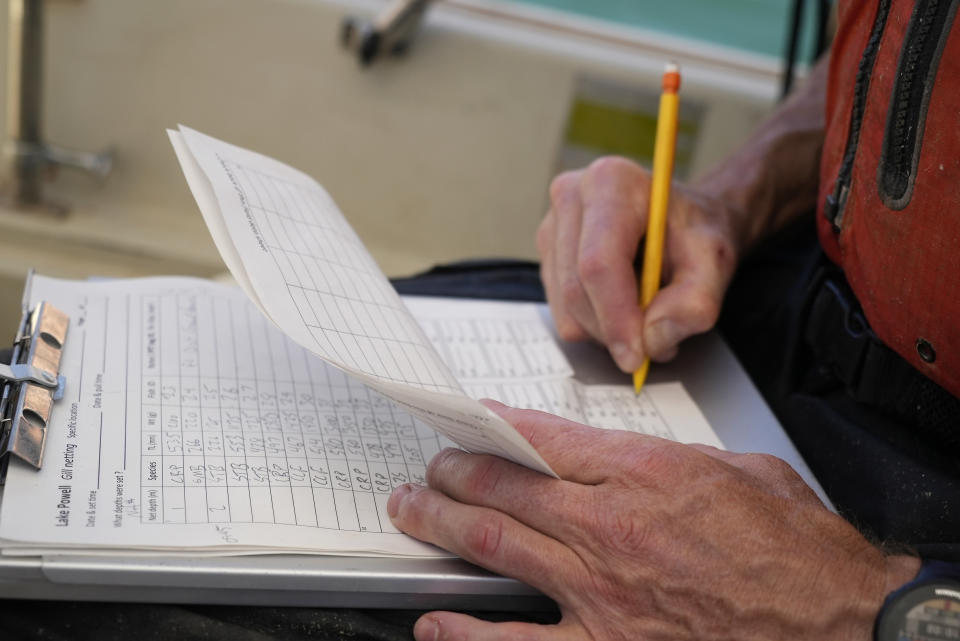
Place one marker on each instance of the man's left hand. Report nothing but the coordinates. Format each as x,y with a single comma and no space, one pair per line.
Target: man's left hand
643,538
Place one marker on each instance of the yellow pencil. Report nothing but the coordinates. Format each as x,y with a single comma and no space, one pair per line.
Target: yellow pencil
663,152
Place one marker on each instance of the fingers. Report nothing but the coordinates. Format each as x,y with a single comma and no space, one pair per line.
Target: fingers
703,264
587,244
559,245
614,220
451,626
485,537
536,500
680,310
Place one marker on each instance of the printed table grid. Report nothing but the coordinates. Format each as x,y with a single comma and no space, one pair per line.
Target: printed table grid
597,405
241,425
618,409
335,284
487,349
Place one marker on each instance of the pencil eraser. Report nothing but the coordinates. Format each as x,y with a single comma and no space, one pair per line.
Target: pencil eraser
671,78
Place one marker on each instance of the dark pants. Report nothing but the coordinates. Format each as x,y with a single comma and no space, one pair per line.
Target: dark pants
894,477
899,487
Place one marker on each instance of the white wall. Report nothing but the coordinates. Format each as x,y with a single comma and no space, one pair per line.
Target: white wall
441,155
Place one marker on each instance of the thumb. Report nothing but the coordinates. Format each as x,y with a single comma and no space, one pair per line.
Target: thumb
703,261
687,306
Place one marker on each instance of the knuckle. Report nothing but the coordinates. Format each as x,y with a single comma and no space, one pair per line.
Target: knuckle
658,461
593,267
484,541
482,480
703,309
769,466
571,292
777,475
441,464
568,329
563,184
416,508
607,165
724,253
769,461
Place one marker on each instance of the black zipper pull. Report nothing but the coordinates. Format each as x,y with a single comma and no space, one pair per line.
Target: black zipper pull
830,211
835,203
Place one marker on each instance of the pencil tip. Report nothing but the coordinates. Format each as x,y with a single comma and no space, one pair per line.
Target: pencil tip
640,376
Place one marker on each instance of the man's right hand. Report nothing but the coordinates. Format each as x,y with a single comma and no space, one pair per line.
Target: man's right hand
589,243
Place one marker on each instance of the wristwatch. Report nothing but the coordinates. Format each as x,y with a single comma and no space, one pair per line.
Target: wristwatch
926,609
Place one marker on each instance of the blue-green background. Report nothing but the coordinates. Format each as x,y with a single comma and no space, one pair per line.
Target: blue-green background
758,26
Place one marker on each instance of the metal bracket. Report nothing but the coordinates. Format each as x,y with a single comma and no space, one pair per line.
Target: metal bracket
32,383
23,373
390,32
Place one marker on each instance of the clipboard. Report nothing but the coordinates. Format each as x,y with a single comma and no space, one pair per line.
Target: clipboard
706,367
29,388
31,384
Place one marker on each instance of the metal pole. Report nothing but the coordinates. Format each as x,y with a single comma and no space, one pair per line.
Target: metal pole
790,60
25,167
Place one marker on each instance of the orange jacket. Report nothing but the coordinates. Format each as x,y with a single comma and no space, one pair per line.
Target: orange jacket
890,175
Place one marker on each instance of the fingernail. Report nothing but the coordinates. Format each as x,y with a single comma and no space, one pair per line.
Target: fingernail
661,339
396,498
427,629
627,359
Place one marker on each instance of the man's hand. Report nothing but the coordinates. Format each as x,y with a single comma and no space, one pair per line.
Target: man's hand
588,244
589,239
645,539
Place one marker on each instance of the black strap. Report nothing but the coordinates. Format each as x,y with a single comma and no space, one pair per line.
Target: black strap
840,336
504,279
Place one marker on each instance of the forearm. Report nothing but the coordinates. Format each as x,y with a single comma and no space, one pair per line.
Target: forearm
772,178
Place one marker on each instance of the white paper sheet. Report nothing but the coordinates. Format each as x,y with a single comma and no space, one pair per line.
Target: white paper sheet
662,409
483,341
315,280
190,423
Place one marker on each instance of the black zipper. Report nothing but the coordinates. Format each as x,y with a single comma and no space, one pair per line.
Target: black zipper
833,207
916,71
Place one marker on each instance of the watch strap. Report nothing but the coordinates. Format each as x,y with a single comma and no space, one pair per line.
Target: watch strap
935,580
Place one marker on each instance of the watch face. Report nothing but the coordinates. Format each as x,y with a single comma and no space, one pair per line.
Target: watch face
933,620
926,613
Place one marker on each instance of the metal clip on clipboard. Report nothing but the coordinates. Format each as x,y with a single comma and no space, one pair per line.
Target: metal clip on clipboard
31,384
